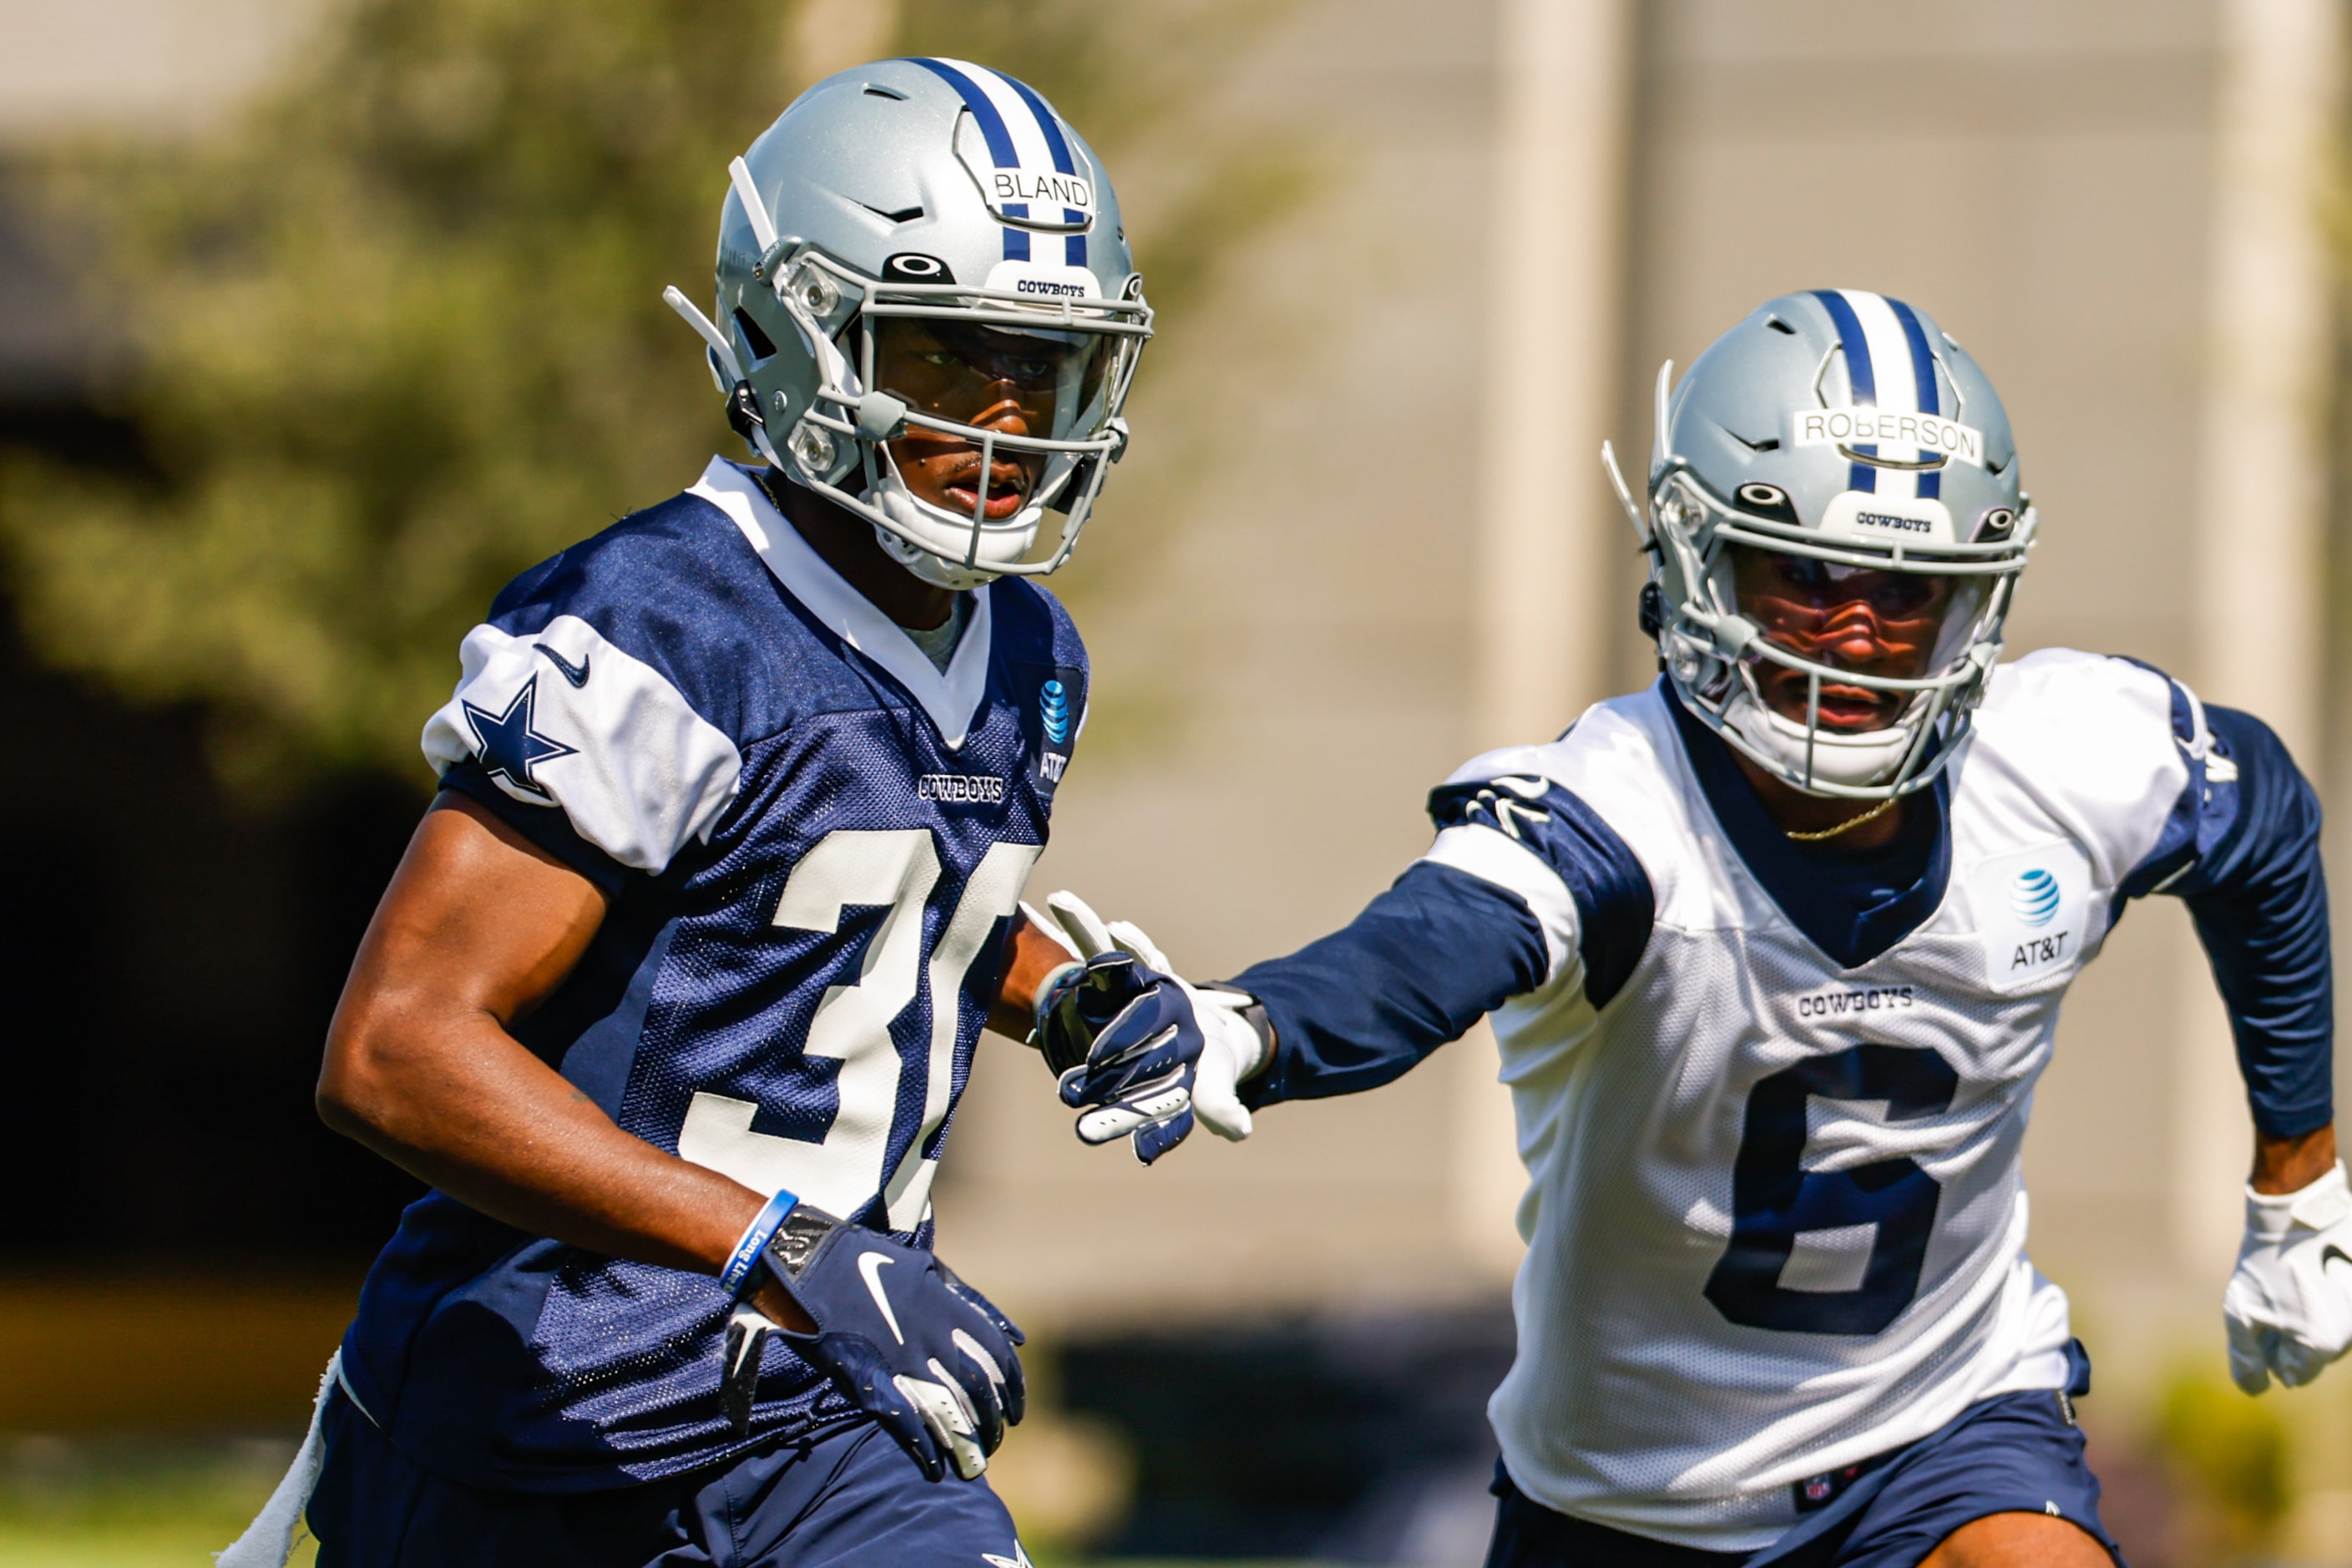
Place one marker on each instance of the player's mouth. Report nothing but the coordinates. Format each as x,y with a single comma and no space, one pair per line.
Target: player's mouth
1856,709
1847,709
1008,487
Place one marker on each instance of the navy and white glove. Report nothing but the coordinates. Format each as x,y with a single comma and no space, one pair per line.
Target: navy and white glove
904,1339
2288,1308
1141,1051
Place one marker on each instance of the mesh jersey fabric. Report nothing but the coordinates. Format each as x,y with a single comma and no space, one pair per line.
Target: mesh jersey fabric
813,841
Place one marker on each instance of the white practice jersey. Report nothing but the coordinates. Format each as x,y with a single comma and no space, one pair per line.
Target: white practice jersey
1776,1223
1870,1120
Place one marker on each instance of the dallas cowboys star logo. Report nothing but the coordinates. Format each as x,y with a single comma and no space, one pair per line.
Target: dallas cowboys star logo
509,746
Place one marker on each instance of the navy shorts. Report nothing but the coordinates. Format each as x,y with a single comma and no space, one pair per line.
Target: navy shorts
848,1496
2017,1453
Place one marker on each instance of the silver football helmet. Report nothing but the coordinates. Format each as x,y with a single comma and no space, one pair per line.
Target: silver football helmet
921,254
1832,468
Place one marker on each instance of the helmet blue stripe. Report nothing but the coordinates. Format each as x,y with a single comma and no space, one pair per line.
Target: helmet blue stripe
983,109
1858,376
1923,363
993,130
1922,371
1073,249
1045,123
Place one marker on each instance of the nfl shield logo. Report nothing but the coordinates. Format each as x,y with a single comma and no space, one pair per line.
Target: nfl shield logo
1818,1489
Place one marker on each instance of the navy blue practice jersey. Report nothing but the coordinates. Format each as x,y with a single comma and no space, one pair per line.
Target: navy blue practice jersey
813,840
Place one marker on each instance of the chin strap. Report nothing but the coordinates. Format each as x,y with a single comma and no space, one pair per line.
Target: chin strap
936,570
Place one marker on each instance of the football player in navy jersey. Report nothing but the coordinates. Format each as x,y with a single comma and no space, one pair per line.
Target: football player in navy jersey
672,994
1774,950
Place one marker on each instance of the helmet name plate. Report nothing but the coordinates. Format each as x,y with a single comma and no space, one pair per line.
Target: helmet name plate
1930,433
1006,186
1017,192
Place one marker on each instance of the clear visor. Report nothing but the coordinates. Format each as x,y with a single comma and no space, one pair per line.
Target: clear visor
1885,627
1017,382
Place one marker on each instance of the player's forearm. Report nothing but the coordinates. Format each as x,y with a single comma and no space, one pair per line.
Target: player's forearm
460,1104
1424,960
1030,957
2291,1164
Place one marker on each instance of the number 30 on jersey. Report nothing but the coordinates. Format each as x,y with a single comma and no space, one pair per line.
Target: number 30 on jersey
895,870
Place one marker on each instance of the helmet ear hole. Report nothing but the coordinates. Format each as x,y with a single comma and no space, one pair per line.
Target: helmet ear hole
762,346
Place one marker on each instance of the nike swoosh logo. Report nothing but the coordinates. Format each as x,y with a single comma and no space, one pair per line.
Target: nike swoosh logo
575,673
871,1265
2332,1253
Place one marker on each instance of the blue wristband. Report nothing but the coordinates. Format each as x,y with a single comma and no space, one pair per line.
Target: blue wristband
743,1263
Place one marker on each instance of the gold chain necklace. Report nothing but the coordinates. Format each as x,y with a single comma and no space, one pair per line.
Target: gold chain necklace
1870,815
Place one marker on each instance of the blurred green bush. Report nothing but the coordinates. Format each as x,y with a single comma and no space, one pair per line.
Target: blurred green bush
397,334
2232,1455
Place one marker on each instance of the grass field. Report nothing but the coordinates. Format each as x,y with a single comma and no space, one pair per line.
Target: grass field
120,1502
131,1503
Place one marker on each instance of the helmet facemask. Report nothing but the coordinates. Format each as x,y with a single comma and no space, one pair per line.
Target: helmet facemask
1004,423
1843,666
1030,391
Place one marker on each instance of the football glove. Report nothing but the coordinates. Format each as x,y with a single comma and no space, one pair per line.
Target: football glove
923,1353
2289,1305
1141,1049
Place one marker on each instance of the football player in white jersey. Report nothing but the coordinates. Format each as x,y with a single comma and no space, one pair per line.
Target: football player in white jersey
1774,950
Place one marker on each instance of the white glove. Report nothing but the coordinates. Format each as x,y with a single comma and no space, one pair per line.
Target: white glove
1231,1047
2289,1305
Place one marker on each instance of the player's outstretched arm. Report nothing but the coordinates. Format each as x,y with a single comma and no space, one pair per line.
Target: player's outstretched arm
1525,891
479,927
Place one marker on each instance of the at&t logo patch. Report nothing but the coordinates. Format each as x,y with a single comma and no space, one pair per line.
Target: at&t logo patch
2033,913
1054,708
2034,897
1057,695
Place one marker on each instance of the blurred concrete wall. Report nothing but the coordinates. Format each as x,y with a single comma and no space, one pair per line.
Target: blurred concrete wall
156,66
1318,640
